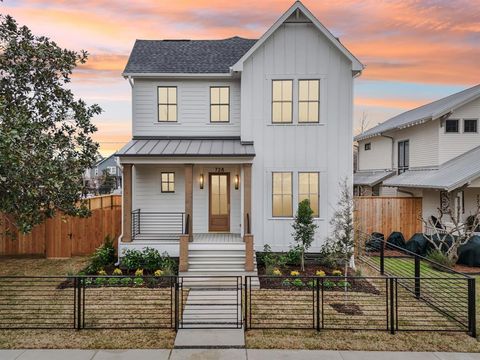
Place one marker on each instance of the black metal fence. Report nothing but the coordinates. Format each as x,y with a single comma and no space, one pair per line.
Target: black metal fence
449,292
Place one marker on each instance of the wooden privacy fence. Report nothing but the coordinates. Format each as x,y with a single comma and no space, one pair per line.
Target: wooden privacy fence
66,236
388,214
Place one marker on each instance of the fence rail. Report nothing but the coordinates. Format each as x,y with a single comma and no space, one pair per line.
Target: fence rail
449,292
382,303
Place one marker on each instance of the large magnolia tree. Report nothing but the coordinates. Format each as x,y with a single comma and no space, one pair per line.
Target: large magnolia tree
45,133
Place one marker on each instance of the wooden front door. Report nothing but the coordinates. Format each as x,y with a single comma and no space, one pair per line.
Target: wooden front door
219,202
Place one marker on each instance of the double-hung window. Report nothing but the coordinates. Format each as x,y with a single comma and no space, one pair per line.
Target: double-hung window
168,182
308,187
282,198
403,156
282,101
219,104
308,101
451,126
167,103
470,125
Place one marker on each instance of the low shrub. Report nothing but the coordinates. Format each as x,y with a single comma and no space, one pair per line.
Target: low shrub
337,273
438,257
126,281
328,284
138,281
294,273
103,256
117,272
150,260
271,260
132,259
139,272
158,273
286,282
297,282
276,272
320,273
102,272
101,281
113,281
294,256
344,284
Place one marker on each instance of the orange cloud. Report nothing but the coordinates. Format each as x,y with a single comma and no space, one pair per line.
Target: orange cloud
395,103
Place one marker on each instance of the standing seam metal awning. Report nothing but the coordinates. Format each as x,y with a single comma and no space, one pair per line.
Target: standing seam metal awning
178,147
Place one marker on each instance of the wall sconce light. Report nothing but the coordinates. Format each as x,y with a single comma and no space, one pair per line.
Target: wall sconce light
202,181
237,182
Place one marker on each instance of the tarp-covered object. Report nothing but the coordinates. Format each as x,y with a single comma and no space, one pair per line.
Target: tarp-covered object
417,244
469,254
374,243
396,238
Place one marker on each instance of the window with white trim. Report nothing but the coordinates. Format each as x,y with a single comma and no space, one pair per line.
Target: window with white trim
308,101
167,103
308,188
470,125
282,197
282,109
112,170
219,104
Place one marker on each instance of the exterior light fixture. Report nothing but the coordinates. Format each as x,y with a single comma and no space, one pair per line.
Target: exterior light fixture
237,182
202,181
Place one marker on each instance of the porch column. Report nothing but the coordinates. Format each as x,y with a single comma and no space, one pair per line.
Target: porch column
189,198
247,217
247,198
127,203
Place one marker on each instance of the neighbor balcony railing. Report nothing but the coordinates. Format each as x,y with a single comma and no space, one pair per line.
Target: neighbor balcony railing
157,225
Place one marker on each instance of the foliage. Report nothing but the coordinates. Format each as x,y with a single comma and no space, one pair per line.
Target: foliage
286,282
439,257
158,273
101,281
272,260
294,273
139,272
297,282
45,133
107,184
126,281
276,272
102,257
344,284
327,257
337,273
113,281
327,284
450,232
138,281
148,259
117,271
294,255
320,273
304,229
102,272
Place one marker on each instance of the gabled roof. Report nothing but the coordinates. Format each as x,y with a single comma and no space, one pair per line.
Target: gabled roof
370,178
357,66
186,56
451,175
103,160
419,115
187,147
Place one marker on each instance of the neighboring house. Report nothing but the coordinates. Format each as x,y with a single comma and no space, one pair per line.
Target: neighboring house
230,135
93,178
432,151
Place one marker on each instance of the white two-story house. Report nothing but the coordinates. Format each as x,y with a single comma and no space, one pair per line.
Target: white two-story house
230,135
432,152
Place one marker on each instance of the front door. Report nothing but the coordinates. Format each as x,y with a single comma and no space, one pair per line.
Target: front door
219,203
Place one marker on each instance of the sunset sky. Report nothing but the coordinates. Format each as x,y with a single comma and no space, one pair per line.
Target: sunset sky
415,51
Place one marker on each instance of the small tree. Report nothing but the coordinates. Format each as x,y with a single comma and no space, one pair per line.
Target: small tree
304,229
448,232
107,183
341,243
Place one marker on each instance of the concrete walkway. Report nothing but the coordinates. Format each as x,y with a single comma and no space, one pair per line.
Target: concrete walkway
227,354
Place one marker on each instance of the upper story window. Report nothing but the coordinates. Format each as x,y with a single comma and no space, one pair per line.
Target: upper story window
282,101
403,156
167,103
368,146
112,170
168,182
282,198
451,126
308,101
308,189
220,104
470,125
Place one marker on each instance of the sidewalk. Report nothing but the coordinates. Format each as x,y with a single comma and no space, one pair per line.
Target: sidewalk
227,354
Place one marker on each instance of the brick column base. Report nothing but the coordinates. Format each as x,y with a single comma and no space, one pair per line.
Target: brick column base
183,257
248,239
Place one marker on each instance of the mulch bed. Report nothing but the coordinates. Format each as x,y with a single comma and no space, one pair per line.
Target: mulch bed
278,282
347,309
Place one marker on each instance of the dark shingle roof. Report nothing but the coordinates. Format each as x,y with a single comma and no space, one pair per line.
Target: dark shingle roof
186,56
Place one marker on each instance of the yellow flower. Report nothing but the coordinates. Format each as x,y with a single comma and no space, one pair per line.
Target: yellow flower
102,272
320,273
117,271
277,272
139,272
158,273
336,273
294,273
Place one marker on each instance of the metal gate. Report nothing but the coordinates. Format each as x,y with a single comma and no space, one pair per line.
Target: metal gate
209,303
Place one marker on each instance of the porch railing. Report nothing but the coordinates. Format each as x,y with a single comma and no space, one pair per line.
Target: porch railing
157,225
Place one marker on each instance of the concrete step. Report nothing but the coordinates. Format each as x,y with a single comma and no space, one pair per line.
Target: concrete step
216,246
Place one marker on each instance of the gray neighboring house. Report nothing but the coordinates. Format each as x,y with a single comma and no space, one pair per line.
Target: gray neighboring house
432,152
93,177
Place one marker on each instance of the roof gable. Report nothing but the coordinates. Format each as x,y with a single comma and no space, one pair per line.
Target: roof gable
298,12
424,113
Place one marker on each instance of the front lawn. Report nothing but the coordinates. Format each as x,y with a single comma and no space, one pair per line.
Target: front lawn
72,339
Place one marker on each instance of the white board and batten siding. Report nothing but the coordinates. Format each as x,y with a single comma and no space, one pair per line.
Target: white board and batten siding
193,104
297,51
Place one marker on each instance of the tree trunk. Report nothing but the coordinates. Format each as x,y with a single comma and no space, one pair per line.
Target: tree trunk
302,262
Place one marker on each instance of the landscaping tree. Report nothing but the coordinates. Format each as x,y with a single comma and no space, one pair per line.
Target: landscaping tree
45,133
108,183
447,232
341,242
304,229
